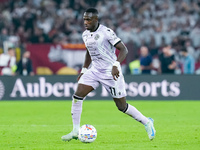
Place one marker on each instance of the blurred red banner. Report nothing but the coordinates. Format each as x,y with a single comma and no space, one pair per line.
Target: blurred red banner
49,58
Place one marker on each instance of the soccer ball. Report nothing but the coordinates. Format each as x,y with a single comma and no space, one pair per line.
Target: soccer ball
87,133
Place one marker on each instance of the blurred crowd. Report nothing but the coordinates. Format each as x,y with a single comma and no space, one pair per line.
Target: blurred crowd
155,25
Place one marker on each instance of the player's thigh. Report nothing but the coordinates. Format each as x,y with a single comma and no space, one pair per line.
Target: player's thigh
87,83
83,90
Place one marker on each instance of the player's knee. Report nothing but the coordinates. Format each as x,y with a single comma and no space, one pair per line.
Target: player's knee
122,108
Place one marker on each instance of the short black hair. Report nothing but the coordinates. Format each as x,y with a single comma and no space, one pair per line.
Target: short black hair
92,10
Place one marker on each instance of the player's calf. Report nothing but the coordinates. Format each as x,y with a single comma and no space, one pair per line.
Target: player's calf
138,116
121,104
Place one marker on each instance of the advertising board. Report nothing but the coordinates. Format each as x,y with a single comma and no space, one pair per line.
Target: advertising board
141,87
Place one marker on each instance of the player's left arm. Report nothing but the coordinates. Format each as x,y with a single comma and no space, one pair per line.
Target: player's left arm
122,55
123,51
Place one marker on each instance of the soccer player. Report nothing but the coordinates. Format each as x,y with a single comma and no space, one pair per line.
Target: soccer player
101,43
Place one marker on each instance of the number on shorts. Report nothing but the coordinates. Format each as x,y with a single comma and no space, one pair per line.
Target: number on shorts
112,91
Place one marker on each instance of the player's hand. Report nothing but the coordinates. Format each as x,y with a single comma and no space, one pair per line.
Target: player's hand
115,73
79,76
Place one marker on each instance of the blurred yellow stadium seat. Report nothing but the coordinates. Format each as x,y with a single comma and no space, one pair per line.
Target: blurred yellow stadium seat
67,71
43,71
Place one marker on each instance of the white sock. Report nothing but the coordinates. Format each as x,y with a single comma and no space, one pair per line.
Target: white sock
76,128
76,111
138,116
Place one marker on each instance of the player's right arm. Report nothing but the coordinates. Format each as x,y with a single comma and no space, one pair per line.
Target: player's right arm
87,60
86,64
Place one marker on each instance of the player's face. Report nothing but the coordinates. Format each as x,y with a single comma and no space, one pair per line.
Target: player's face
89,21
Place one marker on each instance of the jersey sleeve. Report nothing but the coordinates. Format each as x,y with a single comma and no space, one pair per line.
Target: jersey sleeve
112,37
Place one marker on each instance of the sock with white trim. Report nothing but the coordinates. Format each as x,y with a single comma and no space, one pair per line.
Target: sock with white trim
133,112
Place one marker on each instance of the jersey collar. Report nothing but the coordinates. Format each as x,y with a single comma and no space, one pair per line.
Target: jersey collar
96,28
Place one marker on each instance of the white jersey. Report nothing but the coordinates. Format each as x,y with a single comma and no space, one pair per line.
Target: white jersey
100,45
6,63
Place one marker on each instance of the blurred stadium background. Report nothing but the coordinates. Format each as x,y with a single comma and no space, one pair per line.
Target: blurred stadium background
51,30
43,37
41,54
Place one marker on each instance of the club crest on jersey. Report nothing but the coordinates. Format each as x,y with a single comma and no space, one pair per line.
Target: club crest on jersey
96,37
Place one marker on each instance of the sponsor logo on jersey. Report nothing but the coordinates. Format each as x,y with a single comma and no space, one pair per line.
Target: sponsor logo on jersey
96,37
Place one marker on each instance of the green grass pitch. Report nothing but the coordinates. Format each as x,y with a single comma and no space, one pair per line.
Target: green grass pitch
40,124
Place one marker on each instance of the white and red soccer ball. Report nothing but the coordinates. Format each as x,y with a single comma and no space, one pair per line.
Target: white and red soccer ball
87,133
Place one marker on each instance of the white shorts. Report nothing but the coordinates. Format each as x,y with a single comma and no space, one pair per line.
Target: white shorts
94,78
